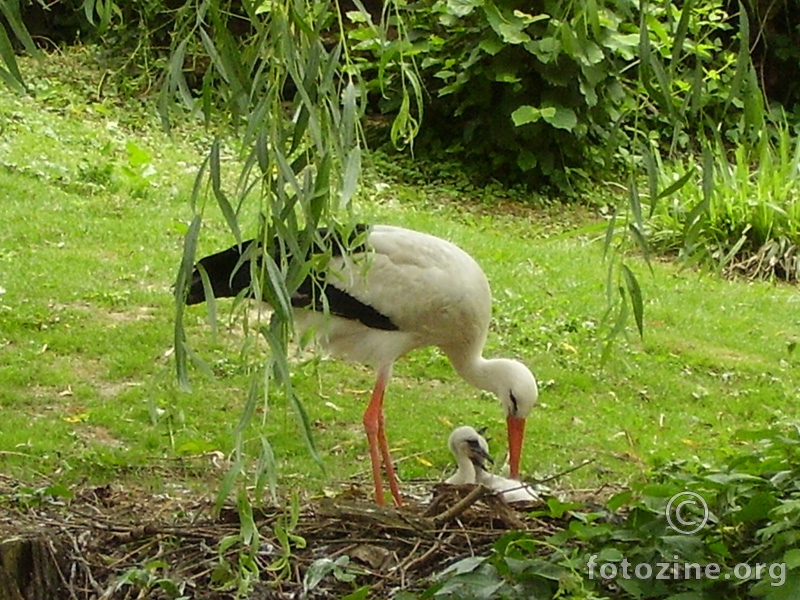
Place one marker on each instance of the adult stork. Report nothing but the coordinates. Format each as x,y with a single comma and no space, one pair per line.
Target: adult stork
384,292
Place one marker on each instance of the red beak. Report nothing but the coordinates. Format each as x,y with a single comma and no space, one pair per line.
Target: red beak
516,433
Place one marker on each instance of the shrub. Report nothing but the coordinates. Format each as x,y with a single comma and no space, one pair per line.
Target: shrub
551,91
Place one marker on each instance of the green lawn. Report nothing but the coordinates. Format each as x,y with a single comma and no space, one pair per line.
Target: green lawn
93,203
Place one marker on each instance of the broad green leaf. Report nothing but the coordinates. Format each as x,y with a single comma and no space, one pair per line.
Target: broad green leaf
465,565
623,44
546,49
264,7
507,77
358,16
509,27
757,508
526,160
619,500
561,118
316,572
528,18
610,555
491,45
461,8
591,54
526,114
792,558
361,593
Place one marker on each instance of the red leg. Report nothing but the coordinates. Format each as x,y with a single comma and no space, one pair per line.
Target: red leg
388,465
376,436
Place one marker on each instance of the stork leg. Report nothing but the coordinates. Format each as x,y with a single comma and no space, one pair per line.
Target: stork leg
376,435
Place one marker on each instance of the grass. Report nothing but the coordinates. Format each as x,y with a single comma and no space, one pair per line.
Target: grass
93,203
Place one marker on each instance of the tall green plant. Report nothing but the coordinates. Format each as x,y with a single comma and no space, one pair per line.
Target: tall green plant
750,225
298,111
10,73
683,105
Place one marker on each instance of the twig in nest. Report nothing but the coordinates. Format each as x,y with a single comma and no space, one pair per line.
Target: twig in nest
419,561
506,514
588,461
78,559
51,547
459,507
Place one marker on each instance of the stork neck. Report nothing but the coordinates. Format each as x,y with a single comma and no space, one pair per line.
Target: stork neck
466,470
476,370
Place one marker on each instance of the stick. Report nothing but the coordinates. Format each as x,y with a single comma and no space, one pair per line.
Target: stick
451,513
588,461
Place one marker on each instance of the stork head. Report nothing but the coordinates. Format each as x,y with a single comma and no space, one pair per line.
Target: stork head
516,387
465,441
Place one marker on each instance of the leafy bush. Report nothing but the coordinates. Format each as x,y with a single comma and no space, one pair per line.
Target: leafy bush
550,91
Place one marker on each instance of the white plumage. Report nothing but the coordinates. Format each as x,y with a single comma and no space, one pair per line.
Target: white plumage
471,451
399,290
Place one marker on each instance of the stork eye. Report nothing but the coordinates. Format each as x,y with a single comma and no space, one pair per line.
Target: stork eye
513,399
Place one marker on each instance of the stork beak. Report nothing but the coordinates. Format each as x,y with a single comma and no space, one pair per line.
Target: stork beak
478,455
516,433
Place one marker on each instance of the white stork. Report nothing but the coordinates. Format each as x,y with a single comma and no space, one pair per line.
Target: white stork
387,292
471,452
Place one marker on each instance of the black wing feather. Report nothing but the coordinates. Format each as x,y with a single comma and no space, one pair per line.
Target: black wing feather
229,275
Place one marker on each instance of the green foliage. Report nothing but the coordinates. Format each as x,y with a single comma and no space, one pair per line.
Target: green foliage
12,19
298,111
558,92
152,579
749,221
239,564
284,533
753,507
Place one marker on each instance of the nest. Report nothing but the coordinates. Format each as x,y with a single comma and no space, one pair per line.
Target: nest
117,543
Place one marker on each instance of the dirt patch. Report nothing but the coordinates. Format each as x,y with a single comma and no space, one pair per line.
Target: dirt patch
131,315
112,389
